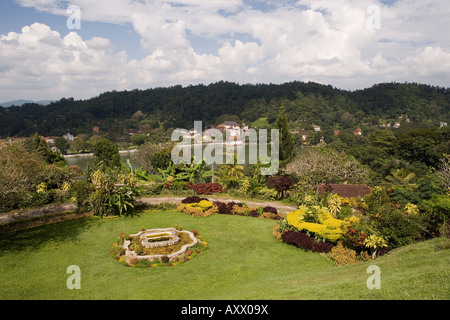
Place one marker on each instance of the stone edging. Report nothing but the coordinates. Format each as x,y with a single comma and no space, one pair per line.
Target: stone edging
173,256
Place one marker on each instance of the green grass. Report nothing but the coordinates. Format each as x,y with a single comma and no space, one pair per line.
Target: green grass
243,261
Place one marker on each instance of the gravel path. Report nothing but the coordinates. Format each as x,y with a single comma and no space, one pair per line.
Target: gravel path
26,214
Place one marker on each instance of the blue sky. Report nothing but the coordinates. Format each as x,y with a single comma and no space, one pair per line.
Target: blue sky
14,17
123,45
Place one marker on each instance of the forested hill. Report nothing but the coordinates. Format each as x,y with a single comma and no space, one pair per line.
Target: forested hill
306,104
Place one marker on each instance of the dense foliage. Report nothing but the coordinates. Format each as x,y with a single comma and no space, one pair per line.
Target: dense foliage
162,108
407,167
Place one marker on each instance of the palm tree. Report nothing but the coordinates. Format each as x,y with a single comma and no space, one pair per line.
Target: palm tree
401,177
230,174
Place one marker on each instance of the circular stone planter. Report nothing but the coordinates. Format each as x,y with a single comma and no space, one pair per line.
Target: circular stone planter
150,234
150,238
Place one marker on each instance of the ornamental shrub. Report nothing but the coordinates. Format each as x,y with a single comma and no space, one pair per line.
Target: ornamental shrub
221,207
305,242
281,184
206,188
270,209
193,199
271,215
229,207
202,209
327,227
203,204
297,239
435,212
324,247
343,256
253,213
397,228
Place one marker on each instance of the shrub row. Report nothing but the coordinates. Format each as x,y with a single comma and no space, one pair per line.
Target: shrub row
193,199
193,206
305,242
206,188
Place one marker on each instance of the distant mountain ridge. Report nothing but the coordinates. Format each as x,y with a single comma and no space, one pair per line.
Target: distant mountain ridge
22,101
307,105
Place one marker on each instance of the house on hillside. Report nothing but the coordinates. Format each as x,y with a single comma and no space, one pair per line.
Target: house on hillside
228,125
50,140
232,129
304,135
68,137
133,131
316,128
358,132
207,136
346,190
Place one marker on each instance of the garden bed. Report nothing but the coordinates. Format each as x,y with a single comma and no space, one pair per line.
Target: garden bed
155,247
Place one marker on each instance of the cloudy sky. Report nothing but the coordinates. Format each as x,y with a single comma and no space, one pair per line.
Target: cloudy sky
50,50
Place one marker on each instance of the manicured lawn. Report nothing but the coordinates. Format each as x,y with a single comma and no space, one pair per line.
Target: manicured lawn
243,261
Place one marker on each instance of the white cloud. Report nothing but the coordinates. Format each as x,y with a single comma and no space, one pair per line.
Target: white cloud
39,63
322,40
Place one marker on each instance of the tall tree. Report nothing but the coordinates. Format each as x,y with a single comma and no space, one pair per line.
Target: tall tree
286,138
62,144
107,152
39,146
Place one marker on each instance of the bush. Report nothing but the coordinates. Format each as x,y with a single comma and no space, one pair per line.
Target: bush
297,239
193,199
270,209
206,188
162,158
80,191
305,242
324,247
397,228
114,194
229,207
326,226
281,184
20,173
436,212
253,213
343,256
271,215
151,188
221,207
203,208
190,210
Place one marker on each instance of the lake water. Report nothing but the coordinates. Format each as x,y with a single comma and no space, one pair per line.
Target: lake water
86,160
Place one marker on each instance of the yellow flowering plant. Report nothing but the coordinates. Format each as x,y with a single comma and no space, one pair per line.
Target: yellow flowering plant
374,242
327,227
41,187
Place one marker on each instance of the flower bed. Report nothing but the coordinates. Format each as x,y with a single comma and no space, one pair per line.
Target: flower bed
314,229
197,206
175,247
327,227
305,242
